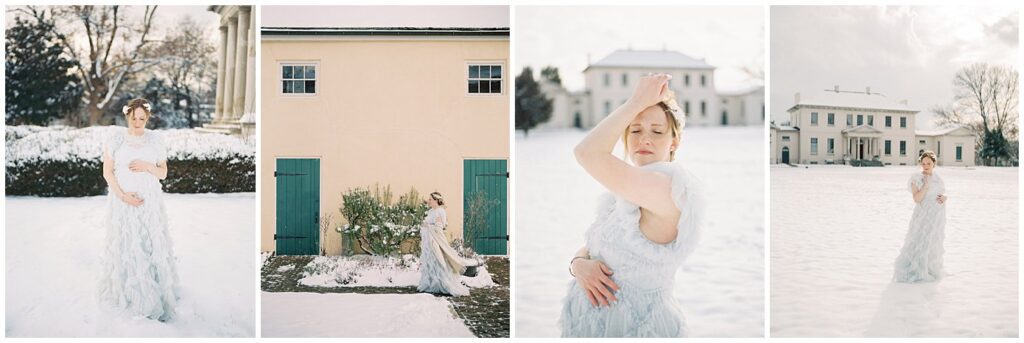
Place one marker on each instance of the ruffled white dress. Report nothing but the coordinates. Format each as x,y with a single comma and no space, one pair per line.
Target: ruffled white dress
440,266
644,270
920,259
138,274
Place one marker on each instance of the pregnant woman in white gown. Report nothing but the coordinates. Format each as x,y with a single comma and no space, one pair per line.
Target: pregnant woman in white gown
644,229
138,273
920,259
440,266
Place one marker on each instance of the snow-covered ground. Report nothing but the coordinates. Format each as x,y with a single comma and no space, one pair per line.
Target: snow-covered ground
359,315
720,288
837,230
53,247
375,271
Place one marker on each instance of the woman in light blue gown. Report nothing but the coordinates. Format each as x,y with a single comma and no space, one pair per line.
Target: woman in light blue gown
645,227
440,266
139,275
920,259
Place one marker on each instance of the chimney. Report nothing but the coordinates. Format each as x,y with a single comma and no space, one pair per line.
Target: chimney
903,102
836,88
867,90
588,59
796,98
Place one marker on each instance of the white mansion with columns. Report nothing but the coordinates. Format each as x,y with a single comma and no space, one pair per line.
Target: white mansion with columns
862,128
610,81
236,72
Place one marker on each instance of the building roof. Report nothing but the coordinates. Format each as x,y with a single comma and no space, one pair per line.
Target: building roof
784,128
650,59
384,31
943,131
852,100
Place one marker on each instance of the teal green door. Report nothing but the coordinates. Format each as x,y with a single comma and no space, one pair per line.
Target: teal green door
298,206
490,177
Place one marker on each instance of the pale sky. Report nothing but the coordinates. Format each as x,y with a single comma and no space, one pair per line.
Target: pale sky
166,17
909,53
729,38
385,16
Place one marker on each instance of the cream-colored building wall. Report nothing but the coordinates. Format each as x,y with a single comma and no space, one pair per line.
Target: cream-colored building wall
778,141
802,117
394,112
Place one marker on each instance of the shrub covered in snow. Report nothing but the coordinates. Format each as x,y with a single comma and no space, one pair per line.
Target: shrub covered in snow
62,161
378,224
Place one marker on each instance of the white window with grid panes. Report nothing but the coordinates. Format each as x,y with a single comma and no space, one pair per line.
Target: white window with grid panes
485,78
299,78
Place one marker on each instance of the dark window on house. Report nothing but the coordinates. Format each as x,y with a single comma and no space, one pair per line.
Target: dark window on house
888,121
831,119
485,79
814,118
903,148
903,122
888,147
298,78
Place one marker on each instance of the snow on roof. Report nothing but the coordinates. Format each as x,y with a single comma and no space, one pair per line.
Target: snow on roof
651,59
937,132
385,31
784,127
860,100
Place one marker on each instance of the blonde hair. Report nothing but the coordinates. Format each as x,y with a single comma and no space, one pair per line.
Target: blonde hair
675,124
929,154
144,104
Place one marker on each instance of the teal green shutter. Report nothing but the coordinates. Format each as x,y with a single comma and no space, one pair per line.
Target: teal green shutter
491,177
298,206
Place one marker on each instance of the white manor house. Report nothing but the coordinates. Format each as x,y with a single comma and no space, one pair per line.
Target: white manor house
862,128
610,81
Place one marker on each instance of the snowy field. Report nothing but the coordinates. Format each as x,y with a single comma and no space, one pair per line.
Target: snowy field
720,288
375,271
359,315
837,230
52,270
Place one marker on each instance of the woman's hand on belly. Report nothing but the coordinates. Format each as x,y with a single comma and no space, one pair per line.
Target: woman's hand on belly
131,198
593,277
140,166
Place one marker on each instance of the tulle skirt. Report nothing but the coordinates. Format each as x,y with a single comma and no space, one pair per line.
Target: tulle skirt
920,258
649,313
138,274
440,265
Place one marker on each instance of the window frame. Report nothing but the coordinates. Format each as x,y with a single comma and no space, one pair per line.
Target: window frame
299,63
503,79
814,146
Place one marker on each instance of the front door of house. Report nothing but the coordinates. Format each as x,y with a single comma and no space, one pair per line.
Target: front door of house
785,155
297,206
485,186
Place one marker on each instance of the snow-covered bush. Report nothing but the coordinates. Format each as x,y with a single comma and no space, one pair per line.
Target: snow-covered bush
62,161
378,225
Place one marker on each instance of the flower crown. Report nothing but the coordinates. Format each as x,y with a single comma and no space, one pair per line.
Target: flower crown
127,108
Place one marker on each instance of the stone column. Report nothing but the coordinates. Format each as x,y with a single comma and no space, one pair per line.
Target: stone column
221,68
241,55
229,74
250,70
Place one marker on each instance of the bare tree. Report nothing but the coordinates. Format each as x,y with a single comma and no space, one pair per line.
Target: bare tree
985,101
113,51
188,64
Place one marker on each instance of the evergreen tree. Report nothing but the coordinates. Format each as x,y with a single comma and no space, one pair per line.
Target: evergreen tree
551,74
532,107
39,84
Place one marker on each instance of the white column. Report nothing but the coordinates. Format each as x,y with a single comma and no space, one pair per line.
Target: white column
250,70
221,68
241,55
229,74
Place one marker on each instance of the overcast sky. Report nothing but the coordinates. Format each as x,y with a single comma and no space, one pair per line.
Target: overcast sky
728,37
907,53
386,16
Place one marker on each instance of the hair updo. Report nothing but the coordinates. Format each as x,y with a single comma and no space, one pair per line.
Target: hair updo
437,197
929,154
144,104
